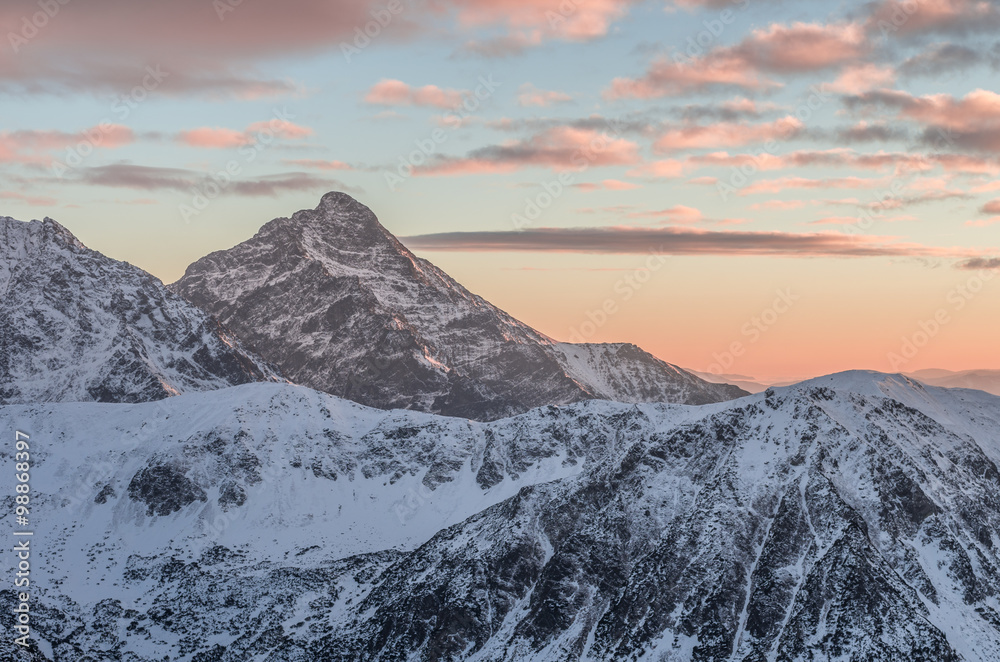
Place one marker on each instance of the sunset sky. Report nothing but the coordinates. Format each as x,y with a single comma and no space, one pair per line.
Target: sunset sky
764,188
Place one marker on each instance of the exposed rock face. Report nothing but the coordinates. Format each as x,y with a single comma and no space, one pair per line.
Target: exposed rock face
77,326
340,305
852,517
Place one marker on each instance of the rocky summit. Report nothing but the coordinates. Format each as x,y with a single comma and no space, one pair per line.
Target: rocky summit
340,305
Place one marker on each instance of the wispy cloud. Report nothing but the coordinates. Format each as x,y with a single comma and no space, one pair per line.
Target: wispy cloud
148,178
560,148
680,241
528,95
777,49
390,92
34,146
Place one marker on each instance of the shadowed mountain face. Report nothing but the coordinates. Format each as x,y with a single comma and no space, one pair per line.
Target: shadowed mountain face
76,325
851,517
339,305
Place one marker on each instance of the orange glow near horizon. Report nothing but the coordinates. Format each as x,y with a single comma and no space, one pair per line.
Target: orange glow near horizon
768,319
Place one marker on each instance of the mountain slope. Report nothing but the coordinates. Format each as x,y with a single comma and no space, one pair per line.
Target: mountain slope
851,517
339,305
76,325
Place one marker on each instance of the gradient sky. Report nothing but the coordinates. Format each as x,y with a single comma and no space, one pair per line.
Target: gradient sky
763,188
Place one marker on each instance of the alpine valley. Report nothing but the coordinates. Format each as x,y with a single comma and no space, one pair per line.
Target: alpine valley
318,447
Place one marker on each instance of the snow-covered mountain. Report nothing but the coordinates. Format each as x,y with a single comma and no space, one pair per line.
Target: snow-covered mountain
76,325
340,305
850,517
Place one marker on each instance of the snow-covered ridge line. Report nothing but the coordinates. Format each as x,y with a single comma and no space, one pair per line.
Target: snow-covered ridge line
849,516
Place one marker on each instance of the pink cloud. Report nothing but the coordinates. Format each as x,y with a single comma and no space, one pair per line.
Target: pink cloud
795,48
203,47
982,223
576,21
208,137
397,93
280,128
971,122
529,95
991,207
763,161
618,185
31,146
608,185
30,200
560,148
950,16
668,78
778,185
319,164
221,138
977,109
804,46
727,134
898,162
675,214
858,78
781,205
664,169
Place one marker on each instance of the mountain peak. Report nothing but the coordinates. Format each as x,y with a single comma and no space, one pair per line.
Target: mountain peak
337,220
36,233
340,305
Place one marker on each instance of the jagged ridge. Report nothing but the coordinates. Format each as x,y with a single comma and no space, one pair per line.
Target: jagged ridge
76,325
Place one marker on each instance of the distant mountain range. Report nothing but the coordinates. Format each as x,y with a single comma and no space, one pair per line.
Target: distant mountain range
984,380
340,305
